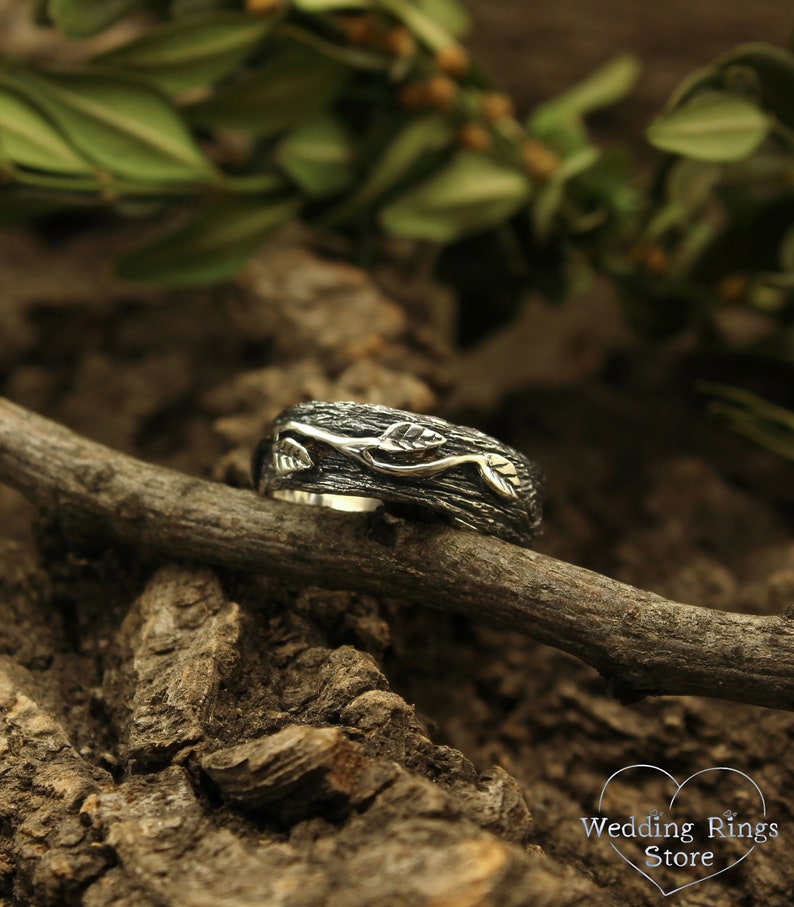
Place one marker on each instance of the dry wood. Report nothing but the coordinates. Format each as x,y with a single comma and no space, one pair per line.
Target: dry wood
334,796
640,642
299,768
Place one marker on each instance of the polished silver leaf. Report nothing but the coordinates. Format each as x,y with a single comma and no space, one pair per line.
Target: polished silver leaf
408,436
501,475
290,456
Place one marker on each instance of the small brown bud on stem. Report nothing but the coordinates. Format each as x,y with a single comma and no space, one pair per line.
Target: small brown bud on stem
656,260
474,136
453,60
541,162
441,92
733,288
496,106
262,6
399,42
360,30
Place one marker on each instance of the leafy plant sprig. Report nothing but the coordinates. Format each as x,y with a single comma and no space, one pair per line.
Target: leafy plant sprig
231,117
719,221
362,115
718,227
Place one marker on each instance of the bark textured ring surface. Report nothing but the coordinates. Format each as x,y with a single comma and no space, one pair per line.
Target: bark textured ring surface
355,456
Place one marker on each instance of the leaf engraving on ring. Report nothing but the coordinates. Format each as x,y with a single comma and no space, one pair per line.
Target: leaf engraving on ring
408,436
290,456
501,475
401,439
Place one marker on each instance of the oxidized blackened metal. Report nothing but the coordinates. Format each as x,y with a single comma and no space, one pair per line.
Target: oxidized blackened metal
355,456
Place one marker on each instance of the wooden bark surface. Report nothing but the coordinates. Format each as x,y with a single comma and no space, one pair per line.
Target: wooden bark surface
317,791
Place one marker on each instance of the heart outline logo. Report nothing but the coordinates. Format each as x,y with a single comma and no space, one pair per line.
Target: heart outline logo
679,787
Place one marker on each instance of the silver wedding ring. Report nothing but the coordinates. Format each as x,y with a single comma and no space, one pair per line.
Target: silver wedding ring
359,457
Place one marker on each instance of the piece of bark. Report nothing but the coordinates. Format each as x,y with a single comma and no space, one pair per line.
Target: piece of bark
179,856
156,838
411,844
47,855
333,310
175,646
385,719
119,889
496,803
322,683
415,845
297,771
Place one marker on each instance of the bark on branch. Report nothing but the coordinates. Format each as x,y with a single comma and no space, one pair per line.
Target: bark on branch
640,642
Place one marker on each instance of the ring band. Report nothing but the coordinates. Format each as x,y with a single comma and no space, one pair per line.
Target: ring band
354,456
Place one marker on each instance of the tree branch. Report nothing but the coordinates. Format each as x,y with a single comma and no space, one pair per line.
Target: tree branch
640,642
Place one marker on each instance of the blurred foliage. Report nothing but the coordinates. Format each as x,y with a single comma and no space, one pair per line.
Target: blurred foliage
366,117
754,417
369,118
716,234
718,225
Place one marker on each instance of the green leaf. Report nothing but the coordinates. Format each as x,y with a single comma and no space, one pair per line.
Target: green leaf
754,417
318,155
712,127
194,51
429,20
608,183
181,8
665,218
706,77
449,14
691,183
418,139
565,136
427,29
471,194
80,18
329,6
294,84
122,126
576,163
775,69
353,57
607,85
29,139
550,197
434,22
545,206
212,246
